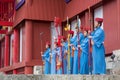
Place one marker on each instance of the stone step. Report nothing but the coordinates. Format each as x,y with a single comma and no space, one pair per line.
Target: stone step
59,77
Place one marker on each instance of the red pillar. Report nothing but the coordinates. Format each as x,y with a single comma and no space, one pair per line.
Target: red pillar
0,56
16,49
87,19
28,46
6,56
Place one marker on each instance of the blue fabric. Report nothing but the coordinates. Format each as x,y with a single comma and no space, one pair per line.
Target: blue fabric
84,68
75,60
80,39
46,59
98,53
75,57
72,41
81,36
59,71
53,60
64,60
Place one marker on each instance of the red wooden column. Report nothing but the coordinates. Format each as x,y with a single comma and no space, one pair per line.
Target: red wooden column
6,56
28,46
0,56
87,18
16,49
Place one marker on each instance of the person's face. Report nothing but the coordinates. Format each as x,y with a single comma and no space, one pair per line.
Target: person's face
85,33
46,46
62,40
76,30
70,35
96,24
55,45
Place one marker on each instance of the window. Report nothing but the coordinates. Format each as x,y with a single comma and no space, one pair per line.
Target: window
11,48
98,12
73,25
22,43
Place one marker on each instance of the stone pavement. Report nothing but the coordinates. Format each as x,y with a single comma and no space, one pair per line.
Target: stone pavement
59,77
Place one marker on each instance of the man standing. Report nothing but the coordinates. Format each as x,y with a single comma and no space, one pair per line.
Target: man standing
98,50
46,58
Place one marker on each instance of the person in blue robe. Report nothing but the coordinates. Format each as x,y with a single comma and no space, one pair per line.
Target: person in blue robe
54,54
64,55
84,46
46,59
72,39
59,60
78,39
98,50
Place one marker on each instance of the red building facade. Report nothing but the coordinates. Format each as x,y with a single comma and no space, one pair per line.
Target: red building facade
20,48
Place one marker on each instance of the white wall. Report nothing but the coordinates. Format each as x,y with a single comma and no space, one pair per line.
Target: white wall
54,33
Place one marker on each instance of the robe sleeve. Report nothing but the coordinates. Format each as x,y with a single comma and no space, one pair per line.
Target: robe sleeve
47,55
73,39
98,37
81,36
85,46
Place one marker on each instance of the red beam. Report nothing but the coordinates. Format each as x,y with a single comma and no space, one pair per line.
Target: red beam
6,23
6,0
3,31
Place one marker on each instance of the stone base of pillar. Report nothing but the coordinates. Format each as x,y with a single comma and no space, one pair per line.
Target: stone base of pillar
38,70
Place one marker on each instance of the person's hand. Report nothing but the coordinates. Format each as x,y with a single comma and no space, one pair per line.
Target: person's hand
41,52
73,48
92,42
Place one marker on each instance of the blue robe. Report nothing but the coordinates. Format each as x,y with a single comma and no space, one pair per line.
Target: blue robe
81,37
46,59
72,40
98,52
59,71
75,61
53,60
64,48
84,68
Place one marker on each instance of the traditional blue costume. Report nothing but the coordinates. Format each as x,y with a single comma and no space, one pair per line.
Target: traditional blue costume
98,52
46,59
84,68
75,44
53,60
64,57
59,63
